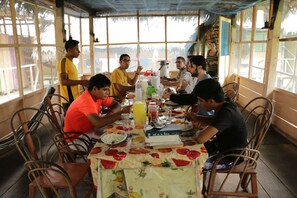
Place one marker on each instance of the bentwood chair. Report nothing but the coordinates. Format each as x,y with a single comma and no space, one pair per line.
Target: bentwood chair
57,115
222,182
258,115
231,91
46,171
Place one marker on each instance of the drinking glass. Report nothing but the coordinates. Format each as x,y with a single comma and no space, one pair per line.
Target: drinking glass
126,121
168,112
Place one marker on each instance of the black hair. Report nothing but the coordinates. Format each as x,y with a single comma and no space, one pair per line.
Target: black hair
123,55
181,58
71,44
199,60
190,56
99,81
209,89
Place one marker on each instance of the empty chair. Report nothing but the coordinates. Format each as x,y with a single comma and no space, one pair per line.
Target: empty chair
231,90
46,171
258,116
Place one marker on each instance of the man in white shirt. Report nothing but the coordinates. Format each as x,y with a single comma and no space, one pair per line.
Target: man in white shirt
183,74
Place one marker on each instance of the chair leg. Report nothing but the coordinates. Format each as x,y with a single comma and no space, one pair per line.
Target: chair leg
32,191
244,181
254,185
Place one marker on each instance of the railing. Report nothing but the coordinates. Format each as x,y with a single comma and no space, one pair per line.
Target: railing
8,75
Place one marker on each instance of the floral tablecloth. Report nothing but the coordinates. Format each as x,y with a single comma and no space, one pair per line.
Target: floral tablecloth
132,169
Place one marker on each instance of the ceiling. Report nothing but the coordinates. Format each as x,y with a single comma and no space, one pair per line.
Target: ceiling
106,7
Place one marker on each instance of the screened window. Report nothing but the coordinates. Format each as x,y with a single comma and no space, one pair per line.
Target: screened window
25,23
152,29
122,29
100,30
75,28
46,22
29,69
247,24
182,28
286,71
9,85
147,44
250,56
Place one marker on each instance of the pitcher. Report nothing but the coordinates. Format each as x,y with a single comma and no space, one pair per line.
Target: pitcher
139,112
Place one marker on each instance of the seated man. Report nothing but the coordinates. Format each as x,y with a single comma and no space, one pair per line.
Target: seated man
83,113
183,74
197,68
187,87
120,80
227,124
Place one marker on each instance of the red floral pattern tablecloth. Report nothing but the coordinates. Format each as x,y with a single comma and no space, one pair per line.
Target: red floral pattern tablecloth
132,169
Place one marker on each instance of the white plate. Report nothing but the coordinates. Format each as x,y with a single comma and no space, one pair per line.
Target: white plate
111,138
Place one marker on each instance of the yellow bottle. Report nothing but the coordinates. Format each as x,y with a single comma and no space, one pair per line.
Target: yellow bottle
139,112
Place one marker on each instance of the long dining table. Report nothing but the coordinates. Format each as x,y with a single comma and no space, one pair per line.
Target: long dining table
137,170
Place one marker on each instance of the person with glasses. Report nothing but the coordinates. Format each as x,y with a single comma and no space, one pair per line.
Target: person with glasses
68,75
183,74
120,80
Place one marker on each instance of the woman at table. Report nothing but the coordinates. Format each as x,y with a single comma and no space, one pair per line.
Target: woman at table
83,113
227,125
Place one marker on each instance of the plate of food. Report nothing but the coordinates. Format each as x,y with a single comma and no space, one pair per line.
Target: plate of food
113,138
186,126
130,96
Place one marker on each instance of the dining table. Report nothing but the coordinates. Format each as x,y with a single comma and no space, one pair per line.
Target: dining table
132,168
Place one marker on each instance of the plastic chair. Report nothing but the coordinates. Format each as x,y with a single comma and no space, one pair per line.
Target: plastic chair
46,170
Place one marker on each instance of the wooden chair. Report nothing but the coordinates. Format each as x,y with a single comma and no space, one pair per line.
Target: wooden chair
258,115
41,155
231,90
57,113
222,182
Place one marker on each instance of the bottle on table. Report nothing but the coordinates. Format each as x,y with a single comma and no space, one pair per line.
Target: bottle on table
139,106
153,112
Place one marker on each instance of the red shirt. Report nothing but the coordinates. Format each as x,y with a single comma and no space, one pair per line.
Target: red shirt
76,117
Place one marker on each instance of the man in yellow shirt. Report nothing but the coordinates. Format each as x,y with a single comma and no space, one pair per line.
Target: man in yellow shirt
120,81
68,75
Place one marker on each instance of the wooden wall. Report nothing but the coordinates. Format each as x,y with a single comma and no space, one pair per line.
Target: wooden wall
285,106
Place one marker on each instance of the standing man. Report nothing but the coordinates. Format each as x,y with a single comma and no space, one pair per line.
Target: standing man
120,81
68,75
